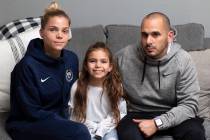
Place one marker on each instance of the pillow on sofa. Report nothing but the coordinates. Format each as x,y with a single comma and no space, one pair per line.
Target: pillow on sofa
83,37
201,59
11,51
15,27
119,36
190,36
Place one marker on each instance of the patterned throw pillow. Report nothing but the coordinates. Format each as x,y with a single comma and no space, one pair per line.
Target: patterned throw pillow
18,26
11,51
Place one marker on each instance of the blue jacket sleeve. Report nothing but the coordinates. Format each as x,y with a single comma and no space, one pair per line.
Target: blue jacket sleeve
25,95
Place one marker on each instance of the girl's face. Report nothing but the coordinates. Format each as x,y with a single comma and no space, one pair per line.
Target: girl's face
98,65
55,35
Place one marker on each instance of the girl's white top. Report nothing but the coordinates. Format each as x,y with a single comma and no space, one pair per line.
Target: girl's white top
99,119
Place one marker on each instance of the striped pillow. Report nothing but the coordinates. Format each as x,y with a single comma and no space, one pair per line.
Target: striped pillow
15,27
11,51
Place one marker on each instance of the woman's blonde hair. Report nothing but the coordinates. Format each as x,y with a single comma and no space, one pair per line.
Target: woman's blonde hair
51,11
53,6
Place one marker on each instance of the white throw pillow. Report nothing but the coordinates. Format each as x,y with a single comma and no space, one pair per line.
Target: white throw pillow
11,51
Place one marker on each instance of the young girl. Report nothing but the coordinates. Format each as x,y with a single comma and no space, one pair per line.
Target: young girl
40,85
96,97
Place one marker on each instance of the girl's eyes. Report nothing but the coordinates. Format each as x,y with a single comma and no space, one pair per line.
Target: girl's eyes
94,61
104,61
91,61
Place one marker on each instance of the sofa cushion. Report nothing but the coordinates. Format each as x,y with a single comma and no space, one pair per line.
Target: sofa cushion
83,37
11,51
3,133
203,66
162,138
204,105
206,125
207,43
119,36
190,36
201,59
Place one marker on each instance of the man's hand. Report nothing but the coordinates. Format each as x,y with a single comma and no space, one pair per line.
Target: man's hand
147,127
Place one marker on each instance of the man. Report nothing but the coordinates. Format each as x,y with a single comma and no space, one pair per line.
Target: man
160,81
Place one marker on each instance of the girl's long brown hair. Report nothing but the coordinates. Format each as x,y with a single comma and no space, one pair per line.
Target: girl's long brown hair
112,85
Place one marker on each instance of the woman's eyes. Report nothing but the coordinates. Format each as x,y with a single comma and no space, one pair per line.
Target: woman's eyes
66,31
53,29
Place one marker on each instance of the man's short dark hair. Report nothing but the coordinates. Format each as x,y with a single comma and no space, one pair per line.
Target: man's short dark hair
159,14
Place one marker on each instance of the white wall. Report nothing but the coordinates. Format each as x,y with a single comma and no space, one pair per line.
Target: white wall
91,12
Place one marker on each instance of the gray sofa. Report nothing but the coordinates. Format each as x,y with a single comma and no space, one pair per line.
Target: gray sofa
190,36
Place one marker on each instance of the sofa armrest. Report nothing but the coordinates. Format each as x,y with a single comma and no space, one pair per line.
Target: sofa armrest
207,43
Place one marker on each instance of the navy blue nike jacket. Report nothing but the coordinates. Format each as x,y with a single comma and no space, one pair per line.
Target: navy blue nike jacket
40,85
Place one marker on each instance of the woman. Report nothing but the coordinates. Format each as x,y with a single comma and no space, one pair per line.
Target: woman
40,85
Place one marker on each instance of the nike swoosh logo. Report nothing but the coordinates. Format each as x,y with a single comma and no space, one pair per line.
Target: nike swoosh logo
43,80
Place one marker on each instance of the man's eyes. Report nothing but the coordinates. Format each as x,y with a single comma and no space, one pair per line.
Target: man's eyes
153,34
